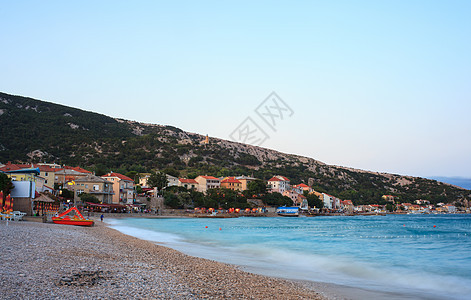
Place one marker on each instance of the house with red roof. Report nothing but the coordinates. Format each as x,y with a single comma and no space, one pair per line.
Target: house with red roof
231,183
389,198
207,182
300,188
99,187
78,169
190,184
278,184
46,172
245,181
123,188
347,205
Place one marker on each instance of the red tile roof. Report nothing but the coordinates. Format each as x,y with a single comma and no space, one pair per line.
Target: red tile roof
78,169
43,168
184,180
11,167
209,177
278,178
231,180
120,176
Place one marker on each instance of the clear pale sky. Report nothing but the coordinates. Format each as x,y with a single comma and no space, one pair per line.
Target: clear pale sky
376,85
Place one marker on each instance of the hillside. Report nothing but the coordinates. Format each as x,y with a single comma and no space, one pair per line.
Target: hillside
33,130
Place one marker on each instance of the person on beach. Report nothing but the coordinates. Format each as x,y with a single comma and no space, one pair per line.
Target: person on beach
101,217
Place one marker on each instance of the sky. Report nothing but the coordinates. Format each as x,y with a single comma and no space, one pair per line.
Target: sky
375,85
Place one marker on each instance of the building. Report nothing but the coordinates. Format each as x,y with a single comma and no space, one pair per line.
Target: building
422,202
93,185
300,188
65,177
389,198
278,184
231,183
245,180
301,202
123,188
328,201
190,184
207,182
205,141
347,206
172,180
450,208
46,172
143,178
293,195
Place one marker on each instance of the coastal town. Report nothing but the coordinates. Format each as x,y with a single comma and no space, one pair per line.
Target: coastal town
47,189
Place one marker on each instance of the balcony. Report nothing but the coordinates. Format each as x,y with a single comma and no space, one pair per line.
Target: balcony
101,192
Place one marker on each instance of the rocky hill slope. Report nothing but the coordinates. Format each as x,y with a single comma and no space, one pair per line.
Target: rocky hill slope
33,130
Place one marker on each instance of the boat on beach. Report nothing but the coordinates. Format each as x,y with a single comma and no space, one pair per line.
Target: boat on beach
77,219
288,211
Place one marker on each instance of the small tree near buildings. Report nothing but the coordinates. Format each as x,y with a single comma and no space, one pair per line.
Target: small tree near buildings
158,180
89,198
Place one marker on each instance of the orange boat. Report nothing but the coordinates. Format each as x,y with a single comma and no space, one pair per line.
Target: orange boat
77,219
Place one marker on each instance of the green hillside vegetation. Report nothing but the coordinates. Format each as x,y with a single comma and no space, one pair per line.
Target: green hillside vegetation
38,131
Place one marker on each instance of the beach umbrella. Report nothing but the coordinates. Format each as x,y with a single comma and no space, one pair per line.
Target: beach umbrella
8,203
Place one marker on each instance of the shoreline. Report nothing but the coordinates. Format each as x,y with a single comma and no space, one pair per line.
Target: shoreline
46,260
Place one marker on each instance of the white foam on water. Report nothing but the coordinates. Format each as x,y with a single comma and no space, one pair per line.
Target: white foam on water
145,234
344,271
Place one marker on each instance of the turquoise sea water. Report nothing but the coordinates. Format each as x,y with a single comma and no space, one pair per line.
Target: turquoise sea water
420,256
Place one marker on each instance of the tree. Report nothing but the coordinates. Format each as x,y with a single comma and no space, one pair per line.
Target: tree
257,187
132,175
66,193
88,198
390,207
314,201
158,180
277,199
172,200
171,172
5,186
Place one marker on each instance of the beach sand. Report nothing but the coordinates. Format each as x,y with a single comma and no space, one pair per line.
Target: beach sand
46,261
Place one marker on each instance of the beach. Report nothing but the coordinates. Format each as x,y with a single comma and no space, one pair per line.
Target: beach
47,261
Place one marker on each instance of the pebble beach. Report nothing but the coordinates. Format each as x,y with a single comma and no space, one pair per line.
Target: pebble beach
50,261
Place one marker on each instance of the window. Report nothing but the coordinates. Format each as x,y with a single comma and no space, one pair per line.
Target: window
46,174
86,186
96,187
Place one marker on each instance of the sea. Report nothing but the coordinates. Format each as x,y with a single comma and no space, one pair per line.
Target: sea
415,256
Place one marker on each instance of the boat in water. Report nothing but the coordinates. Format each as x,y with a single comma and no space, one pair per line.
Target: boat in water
288,211
77,219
